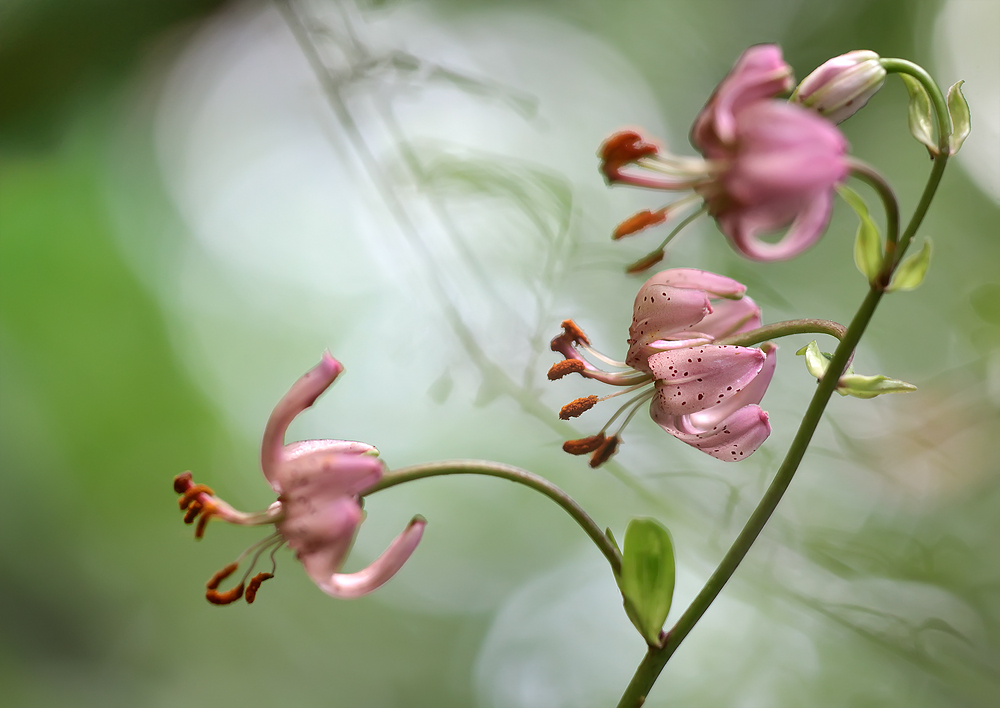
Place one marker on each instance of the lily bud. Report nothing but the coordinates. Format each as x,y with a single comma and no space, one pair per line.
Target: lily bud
838,88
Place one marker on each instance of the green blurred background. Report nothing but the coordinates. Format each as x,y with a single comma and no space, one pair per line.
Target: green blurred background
188,218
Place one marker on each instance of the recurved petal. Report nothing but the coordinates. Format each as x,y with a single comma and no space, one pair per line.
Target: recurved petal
691,380
661,310
733,439
752,393
295,450
743,229
351,585
321,534
300,396
712,283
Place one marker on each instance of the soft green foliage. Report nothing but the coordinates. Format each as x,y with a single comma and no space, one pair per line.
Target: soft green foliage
867,243
920,115
647,577
816,361
912,270
850,384
961,120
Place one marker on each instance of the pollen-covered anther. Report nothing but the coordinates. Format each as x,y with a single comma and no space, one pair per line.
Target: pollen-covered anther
224,598
577,407
254,586
192,493
647,261
207,512
582,446
192,511
220,575
637,222
567,366
604,451
623,148
572,330
183,482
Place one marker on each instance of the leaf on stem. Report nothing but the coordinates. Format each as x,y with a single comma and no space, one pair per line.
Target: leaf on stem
647,577
868,243
920,115
961,120
912,270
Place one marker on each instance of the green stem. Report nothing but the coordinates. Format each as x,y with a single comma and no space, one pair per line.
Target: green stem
783,329
657,657
873,178
513,474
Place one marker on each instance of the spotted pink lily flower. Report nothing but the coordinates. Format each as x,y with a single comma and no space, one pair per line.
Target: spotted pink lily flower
319,484
704,394
766,164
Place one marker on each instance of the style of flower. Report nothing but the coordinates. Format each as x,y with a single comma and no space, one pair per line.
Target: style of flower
767,165
319,485
703,393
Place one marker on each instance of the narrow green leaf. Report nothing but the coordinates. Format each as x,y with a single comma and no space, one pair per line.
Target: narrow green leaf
961,119
868,242
647,577
870,386
614,541
912,270
919,112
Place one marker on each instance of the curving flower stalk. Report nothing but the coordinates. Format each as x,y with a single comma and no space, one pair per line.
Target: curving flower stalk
319,485
703,393
766,164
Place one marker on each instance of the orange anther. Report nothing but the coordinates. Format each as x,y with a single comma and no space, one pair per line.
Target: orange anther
224,598
577,407
213,582
193,491
207,513
254,586
583,445
566,366
182,482
572,330
637,222
192,511
622,148
604,452
647,261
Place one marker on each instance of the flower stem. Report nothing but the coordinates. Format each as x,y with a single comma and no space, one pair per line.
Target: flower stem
783,329
513,474
873,178
656,657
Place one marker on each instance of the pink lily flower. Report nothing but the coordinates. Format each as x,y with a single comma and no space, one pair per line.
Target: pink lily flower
319,485
704,394
767,165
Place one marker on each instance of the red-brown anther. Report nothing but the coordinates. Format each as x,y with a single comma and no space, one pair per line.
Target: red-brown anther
254,586
208,511
224,598
577,407
192,492
192,511
637,222
645,262
182,482
621,149
572,330
220,575
566,366
583,445
604,452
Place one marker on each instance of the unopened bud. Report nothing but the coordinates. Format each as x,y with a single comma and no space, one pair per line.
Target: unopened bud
838,88
577,407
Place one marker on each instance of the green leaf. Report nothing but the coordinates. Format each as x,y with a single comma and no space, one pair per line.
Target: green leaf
870,386
920,116
614,541
816,361
961,120
912,270
868,242
647,577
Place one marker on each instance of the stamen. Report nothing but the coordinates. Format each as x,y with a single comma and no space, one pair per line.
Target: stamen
224,598
647,261
251,593
577,407
582,446
208,511
606,359
572,330
639,222
182,482
564,367
635,400
603,453
192,492
220,575
656,255
635,410
624,391
192,511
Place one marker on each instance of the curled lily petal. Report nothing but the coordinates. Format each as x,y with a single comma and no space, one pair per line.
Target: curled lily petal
711,283
321,533
733,439
351,585
691,380
300,396
729,317
752,393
